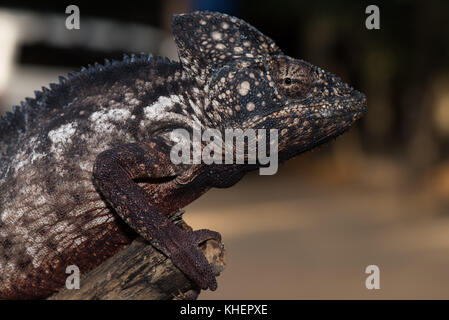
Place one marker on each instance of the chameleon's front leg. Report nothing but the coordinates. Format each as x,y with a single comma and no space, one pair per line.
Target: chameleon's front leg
114,173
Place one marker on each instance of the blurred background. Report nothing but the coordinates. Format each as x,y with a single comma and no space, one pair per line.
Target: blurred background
377,195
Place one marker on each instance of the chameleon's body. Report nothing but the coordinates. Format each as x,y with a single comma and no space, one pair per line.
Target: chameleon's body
80,159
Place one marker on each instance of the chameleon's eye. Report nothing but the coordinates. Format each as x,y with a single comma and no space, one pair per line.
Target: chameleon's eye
292,77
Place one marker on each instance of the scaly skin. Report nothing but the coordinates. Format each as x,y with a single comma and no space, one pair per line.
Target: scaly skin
85,166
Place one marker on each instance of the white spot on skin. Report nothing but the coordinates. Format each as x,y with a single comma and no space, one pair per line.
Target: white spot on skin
23,158
36,156
61,137
244,88
133,102
63,133
111,115
78,241
250,106
238,50
161,109
220,46
86,166
161,105
103,120
225,25
11,216
217,36
96,222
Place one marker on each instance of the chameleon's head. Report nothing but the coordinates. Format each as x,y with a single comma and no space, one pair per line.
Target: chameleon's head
314,105
249,83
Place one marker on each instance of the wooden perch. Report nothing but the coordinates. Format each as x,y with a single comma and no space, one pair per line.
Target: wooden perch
141,272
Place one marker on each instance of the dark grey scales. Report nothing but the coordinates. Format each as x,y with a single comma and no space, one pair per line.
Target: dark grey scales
85,165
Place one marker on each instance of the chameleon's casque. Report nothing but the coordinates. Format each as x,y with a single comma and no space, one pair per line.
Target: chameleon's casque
73,160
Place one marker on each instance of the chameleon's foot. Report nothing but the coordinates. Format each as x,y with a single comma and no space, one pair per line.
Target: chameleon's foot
189,295
191,260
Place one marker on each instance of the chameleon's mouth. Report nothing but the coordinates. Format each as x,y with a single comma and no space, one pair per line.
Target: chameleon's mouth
347,109
325,123
360,104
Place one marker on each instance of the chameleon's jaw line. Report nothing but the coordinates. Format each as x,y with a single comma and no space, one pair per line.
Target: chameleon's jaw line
360,105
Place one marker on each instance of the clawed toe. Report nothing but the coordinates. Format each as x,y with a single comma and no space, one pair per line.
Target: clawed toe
202,235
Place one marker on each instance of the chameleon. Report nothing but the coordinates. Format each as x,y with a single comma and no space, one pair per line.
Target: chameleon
85,165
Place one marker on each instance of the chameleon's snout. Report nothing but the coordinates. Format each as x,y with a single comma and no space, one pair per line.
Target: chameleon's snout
359,105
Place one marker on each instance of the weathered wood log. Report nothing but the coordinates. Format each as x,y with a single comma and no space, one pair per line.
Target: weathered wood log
141,272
